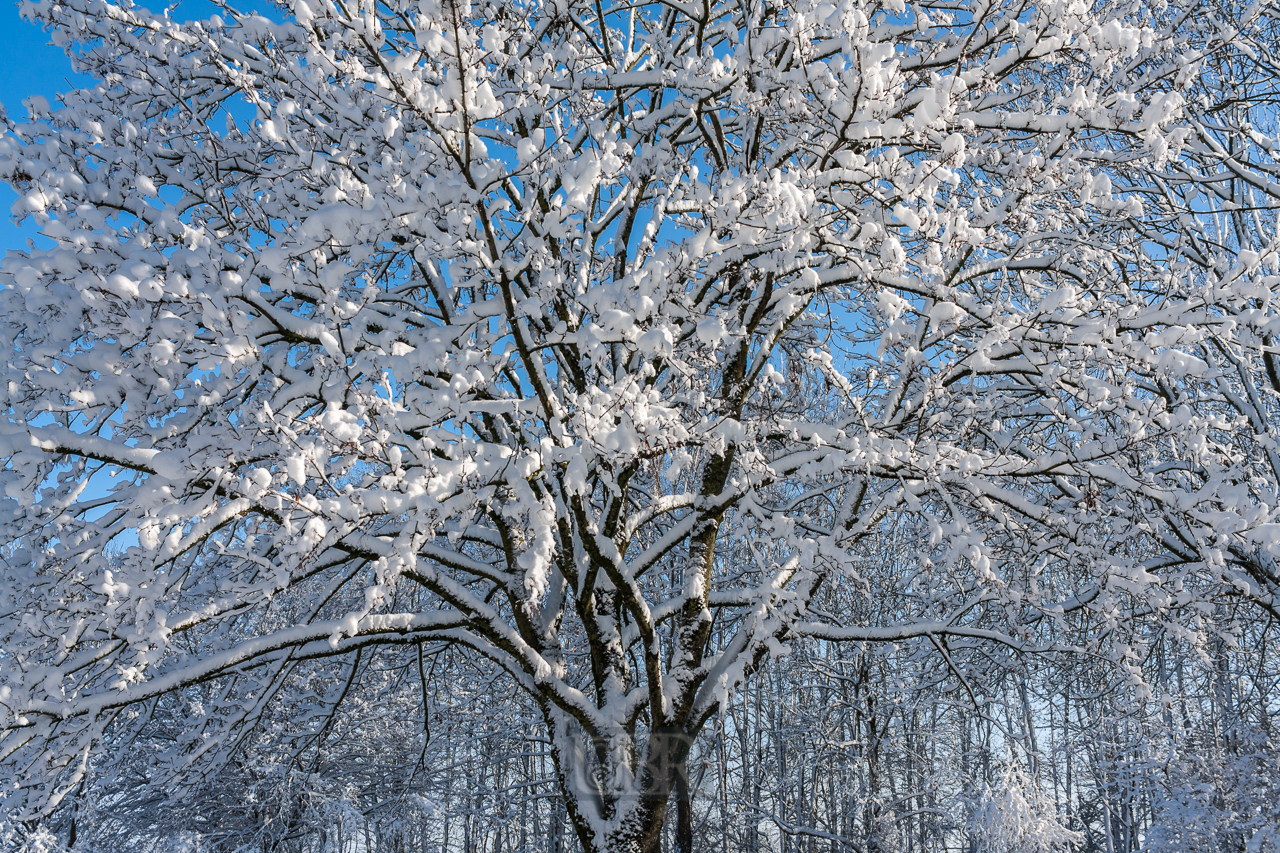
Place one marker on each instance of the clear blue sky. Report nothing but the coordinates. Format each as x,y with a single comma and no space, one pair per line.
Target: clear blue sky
31,64
31,67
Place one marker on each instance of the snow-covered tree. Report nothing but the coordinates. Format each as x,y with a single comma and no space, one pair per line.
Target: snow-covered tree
1013,816
595,340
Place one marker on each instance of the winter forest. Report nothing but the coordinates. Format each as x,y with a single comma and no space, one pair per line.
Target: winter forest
644,426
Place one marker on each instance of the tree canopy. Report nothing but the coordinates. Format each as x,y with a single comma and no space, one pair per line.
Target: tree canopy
619,347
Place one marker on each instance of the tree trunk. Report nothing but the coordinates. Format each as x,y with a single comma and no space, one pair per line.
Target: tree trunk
684,813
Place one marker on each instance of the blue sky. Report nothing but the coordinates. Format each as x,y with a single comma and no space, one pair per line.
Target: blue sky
32,66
